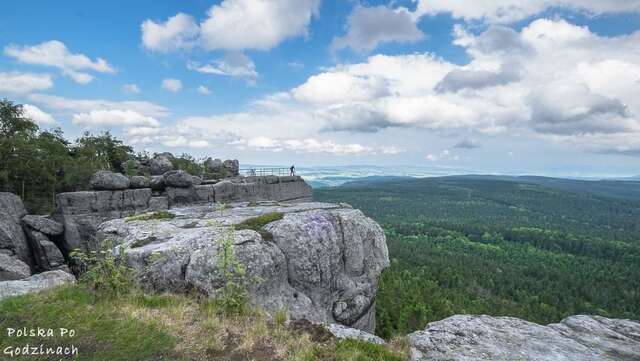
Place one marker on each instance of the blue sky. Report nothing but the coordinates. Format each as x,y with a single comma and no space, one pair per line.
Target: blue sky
505,86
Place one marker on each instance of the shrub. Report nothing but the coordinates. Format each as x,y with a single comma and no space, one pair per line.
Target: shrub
103,271
233,296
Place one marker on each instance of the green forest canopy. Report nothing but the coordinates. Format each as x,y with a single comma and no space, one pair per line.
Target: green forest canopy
463,245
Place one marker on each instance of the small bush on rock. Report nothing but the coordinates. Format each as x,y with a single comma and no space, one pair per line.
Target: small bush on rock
233,296
104,272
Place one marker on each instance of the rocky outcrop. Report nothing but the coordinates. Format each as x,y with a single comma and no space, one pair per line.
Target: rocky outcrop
139,181
12,240
320,261
82,212
107,180
218,169
584,338
343,332
161,163
43,224
178,179
12,268
35,283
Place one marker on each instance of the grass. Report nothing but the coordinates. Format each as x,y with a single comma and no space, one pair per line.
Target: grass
142,326
257,224
150,216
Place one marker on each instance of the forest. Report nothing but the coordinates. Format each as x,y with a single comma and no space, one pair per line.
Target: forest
537,249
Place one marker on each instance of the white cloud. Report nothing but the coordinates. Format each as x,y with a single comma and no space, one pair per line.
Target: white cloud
172,85
551,80
131,88
445,155
178,32
512,10
234,64
37,115
203,90
313,146
106,118
24,82
367,27
256,24
86,105
55,54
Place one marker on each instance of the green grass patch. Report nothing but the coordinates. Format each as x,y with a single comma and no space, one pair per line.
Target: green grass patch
356,350
101,332
151,216
257,224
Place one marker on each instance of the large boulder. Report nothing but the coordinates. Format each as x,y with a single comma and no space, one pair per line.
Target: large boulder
12,268
156,183
139,181
43,224
161,163
46,254
107,180
35,283
213,165
82,212
585,338
320,261
232,167
12,239
178,179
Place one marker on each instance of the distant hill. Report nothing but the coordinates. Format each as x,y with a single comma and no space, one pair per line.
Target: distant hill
628,189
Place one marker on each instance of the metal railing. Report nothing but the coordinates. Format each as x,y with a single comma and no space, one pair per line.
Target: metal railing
259,172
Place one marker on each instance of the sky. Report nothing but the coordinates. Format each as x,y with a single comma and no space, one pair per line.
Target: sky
545,87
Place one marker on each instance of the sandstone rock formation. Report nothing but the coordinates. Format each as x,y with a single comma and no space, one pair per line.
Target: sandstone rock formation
12,268
161,163
35,283
342,332
107,180
139,181
178,179
43,224
321,261
584,338
12,240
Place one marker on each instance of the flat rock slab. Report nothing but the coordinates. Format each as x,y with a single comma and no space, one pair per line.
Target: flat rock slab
344,332
36,283
584,338
320,261
43,224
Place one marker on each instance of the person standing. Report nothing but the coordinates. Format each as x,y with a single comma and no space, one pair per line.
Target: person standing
292,170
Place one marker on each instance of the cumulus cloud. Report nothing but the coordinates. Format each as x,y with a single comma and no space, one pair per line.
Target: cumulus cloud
311,145
505,11
20,83
256,24
86,105
234,64
171,85
131,89
55,54
232,25
178,32
203,90
37,115
552,79
106,118
367,27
